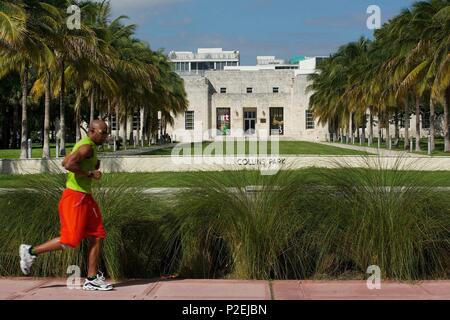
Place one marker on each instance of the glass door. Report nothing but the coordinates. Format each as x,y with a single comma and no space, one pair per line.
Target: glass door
250,122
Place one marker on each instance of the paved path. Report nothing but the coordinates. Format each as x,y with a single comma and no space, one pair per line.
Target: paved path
381,151
185,289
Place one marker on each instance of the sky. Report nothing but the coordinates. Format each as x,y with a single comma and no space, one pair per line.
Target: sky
281,28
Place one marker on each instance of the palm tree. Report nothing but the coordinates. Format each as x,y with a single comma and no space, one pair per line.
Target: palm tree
339,94
423,33
103,64
19,48
407,64
68,46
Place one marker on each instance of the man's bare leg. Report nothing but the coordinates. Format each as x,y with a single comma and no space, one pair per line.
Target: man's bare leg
95,281
28,253
93,256
51,245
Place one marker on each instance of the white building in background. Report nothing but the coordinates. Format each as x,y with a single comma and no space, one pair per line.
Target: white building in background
228,99
233,100
204,59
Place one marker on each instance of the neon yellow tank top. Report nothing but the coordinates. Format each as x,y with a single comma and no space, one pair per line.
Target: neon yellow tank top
81,183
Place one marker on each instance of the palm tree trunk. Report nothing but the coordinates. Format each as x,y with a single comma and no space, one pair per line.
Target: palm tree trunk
149,127
109,117
406,121
380,131
142,125
116,111
62,113
363,131
397,127
388,131
417,123
138,128
77,115
46,148
432,126
91,116
350,127
23,142
337,129
358,137
447,121
125,134
370,126
15,140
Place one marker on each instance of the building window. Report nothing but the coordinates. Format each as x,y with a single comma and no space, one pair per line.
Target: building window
249,90
275,89
223,90
113,122
220,65
223,121
136,120
182,66
276,121
189,120
309,120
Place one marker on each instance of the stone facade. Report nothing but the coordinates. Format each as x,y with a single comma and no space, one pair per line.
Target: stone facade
229,89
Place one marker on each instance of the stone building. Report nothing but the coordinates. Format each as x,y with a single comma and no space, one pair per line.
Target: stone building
227,99
267,99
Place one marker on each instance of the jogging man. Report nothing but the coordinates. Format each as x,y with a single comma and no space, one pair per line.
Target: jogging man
79,214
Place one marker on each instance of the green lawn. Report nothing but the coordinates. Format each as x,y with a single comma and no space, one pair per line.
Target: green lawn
286,148
36,151
178,179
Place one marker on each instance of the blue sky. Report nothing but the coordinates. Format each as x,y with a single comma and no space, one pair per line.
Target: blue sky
254,27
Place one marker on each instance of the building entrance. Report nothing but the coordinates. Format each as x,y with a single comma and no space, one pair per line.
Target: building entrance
249,121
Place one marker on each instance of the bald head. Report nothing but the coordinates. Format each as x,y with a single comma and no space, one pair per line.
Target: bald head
98,124
98,131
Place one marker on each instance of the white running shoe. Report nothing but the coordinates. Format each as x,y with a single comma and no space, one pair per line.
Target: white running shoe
26,259
97,284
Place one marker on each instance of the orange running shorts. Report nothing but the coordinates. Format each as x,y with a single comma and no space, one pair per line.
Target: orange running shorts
80,218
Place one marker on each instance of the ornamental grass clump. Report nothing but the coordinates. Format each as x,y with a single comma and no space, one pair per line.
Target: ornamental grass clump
240,225
388,217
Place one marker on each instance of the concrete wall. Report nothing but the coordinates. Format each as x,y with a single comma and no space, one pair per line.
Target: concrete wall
196,163
198,92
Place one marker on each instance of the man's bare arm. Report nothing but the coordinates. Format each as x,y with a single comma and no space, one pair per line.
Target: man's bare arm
72,161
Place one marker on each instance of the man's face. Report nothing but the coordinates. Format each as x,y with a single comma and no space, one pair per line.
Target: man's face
100,134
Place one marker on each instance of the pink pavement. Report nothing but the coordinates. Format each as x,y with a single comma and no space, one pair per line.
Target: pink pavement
186,289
